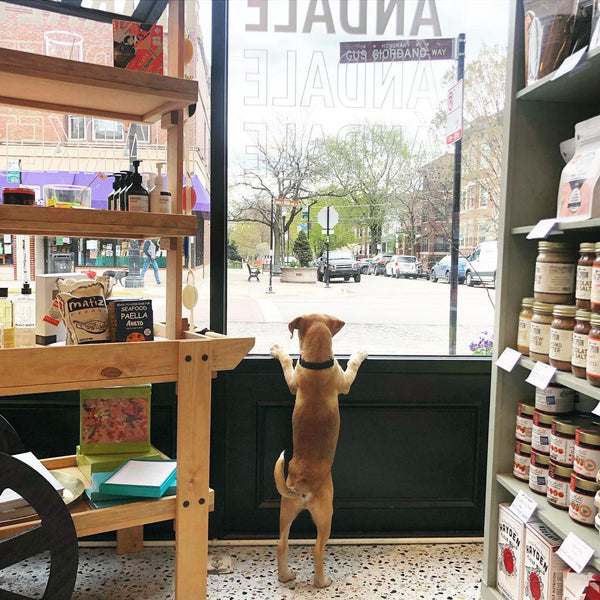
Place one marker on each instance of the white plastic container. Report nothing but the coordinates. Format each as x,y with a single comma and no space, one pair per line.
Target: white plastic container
160,198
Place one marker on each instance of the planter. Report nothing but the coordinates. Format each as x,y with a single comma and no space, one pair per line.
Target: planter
298,274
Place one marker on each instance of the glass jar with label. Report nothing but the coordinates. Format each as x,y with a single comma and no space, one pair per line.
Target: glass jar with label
592,365
539,334
586,453
561,336
538,472
524,326
555,399
525,422
557,491
582,492
555,268
583,279
562,437
581,333
540,431
595,292
521,461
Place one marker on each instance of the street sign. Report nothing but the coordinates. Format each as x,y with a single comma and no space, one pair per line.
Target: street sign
454,117
333,217
324,231
286,202
13,173
397,50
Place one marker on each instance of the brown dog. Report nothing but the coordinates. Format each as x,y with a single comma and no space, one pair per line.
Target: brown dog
317,380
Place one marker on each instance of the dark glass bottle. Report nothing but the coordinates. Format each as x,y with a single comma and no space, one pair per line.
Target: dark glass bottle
138,199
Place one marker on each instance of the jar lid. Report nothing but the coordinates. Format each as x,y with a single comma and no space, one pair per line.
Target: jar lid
525,408
543,308
539,458
595,319
564,310
587,247
588,435
522,448
555,246
583,315
583,483
568,425
527,301
542,418
560,470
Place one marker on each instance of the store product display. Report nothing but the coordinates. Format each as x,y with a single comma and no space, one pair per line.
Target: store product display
524,325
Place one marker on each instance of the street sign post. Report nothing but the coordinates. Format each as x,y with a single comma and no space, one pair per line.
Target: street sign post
397,50
454,116
327,218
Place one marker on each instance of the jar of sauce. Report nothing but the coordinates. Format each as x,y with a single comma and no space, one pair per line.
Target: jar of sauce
540,431
562,437
23,196
581,333
561,336
521,461
583,279
555,399
538,472
524,326
525,422
555,268
592,365
539,335
582,492
586,454
557,491
595,292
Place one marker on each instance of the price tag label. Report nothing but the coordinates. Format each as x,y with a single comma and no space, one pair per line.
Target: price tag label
542,229
508,359
523,507
569,63
575,552
541,375
596,411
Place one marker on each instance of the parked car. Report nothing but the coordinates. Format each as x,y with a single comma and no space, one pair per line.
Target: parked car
377,266
482,264
363,264
403,265
441,269
342,264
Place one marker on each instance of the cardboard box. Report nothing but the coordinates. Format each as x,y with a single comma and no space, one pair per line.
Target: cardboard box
115,420
543,577
511,554
130,319
576,586
138,46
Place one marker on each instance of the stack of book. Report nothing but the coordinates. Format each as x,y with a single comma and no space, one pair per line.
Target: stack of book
135,480
114,427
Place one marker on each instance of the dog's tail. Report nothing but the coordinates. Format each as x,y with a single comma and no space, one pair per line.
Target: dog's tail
279,476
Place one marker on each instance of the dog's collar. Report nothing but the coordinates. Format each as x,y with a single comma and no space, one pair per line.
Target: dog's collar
316,366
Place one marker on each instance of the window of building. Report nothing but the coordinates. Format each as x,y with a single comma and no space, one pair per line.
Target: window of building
76,128
106,130
484,196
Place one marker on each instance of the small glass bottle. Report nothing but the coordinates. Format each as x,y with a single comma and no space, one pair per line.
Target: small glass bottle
524,326
583,281
137,195
24,312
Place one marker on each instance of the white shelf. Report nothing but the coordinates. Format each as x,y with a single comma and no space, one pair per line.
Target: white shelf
589,224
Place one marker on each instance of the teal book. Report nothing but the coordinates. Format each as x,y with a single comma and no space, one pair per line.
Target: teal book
148,478
95,496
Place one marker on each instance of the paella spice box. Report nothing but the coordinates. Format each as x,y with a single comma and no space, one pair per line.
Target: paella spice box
543,567
130,319
511,554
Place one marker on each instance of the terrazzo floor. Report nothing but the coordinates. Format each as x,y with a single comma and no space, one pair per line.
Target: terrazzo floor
411,571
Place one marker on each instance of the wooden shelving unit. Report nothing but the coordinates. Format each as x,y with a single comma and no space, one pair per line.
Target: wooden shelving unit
189,359
537,118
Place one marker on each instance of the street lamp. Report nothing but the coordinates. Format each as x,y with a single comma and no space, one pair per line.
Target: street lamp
283,216
270,290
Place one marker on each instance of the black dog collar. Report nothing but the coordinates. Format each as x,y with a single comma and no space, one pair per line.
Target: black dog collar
316,366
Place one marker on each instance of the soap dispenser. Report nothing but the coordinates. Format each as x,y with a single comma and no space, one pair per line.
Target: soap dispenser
113,195
160,199
137,198
124,190
24,315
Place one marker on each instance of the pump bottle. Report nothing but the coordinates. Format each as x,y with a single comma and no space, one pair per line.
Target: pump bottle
24,315
7,319
125,185
137,197
160,199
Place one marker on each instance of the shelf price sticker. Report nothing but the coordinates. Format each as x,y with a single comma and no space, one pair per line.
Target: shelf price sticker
541,375
575,552
596,411
508,359
569,63
523,507
543,229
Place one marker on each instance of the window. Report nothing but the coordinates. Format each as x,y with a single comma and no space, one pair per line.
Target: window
484,197
105,130
76,128
472,195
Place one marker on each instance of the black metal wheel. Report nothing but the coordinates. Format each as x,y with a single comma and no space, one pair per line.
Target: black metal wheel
55,533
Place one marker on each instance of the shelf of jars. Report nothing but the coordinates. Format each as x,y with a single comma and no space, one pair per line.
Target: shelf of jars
82,222
66,86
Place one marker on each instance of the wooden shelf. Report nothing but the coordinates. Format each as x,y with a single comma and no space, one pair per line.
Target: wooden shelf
74,222
91,521
558,520
589,224
66,86
60,368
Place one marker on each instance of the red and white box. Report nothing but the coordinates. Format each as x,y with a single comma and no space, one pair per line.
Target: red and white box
581,586
511,554
543,577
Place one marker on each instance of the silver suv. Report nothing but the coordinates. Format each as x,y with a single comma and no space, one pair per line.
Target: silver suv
342,264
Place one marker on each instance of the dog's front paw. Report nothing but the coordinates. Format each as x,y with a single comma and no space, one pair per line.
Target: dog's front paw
359,356
286,575
275,350
322,582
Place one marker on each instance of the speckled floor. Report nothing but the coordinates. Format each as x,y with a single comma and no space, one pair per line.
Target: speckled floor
411,571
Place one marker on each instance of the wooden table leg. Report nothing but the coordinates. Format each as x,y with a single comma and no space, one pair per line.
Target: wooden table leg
130,539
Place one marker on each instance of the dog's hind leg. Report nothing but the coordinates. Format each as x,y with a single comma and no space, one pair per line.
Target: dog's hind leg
287,513
321,510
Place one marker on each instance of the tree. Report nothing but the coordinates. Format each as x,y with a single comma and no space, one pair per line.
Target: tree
302,249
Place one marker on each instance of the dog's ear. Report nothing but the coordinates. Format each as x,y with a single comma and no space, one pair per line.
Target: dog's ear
334,324
295,324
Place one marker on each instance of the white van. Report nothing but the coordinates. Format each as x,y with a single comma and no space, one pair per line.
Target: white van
481,266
